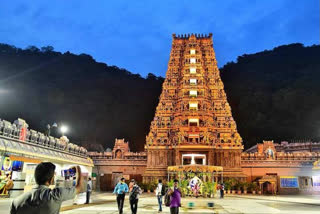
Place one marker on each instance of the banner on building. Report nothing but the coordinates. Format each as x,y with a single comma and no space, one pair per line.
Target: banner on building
316,182
289,182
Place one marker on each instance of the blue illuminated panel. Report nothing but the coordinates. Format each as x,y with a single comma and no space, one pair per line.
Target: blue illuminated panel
289,182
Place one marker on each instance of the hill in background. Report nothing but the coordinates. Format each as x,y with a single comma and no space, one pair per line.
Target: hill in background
273,95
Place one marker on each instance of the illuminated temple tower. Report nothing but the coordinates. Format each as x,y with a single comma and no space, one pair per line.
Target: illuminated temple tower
193,123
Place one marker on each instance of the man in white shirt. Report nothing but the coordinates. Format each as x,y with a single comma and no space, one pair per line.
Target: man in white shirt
160,192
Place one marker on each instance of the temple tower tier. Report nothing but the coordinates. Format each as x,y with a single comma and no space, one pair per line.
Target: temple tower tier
193,123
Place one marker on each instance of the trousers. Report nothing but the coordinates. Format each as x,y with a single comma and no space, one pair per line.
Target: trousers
88,197
120,201
174,210
134,206
160,202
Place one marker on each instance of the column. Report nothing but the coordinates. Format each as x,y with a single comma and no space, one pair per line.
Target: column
153,158
192,160
222,159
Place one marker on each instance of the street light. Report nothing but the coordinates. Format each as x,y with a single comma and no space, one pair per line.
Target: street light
63,129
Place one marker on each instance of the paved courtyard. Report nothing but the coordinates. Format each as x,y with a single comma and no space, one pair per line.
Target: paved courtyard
105,203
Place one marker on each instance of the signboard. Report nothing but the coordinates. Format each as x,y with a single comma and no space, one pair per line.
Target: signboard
289,182
316,182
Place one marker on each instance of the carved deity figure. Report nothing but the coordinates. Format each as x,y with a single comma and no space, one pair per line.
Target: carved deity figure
269,153
118,154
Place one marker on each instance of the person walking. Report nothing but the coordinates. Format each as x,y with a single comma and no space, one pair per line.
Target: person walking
134,193
160,192
120,190
42,199
175,194
89,189
221,190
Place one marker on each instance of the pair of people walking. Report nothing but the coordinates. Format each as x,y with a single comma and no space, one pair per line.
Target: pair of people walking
134,191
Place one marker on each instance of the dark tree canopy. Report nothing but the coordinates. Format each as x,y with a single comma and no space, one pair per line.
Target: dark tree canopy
273,94
98,102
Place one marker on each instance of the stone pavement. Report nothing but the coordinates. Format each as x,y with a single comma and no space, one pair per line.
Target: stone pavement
103,203
301,199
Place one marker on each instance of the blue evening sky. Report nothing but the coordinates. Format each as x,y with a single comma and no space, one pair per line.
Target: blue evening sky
136,35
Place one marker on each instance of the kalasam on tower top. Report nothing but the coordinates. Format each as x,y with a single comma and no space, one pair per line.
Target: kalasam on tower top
193,123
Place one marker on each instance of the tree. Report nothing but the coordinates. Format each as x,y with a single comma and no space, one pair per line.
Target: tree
32,49
47,49
151,76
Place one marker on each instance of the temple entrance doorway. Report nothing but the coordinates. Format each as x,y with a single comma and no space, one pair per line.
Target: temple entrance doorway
268,184
106,182
191,159
267,188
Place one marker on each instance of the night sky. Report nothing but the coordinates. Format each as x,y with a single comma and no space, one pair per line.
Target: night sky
137,35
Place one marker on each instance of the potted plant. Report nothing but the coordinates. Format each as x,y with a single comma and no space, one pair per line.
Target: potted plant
254,188
233,183
141,185
227,186
238,187
245,186
259,190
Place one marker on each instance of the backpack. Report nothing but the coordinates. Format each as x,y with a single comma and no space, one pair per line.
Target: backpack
134,193
167,200
163,190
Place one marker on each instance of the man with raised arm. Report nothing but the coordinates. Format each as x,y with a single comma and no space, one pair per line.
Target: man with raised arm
42,199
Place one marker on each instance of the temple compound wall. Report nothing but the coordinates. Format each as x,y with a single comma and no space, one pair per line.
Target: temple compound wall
111,165
283,168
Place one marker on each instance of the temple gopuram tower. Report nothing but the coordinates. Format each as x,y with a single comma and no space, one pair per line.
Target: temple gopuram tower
193,123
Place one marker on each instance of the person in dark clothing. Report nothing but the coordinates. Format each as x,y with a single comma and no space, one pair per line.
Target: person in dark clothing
134,193
221,190
89,189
